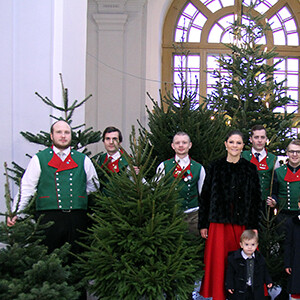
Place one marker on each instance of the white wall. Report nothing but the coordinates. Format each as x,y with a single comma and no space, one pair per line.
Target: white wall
118,63
39,39
123,62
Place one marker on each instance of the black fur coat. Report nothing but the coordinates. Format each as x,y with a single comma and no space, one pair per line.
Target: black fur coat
231,194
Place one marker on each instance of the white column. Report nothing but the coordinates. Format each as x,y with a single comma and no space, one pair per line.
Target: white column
116,58
110,68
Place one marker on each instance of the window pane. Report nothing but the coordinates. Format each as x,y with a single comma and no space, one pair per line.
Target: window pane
190,10
293,39
275,23
195,35
193,62
227,37
293,94
293,64
280,66
200,19
290,25
292,80
284,13
215,34
180,35
279,38
213,6
226,21
227,3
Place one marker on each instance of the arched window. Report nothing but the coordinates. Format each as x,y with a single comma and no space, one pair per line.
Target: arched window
200,27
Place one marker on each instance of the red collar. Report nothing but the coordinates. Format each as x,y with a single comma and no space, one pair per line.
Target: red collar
292,177
60,165
260,165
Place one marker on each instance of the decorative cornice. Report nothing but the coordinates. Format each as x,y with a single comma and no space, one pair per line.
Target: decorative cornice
120,6
110,22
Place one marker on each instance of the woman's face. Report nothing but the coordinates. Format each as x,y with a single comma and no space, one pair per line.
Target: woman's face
234,145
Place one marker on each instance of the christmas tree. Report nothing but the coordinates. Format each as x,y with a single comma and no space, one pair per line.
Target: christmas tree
27,271
180,111
80,138
139,244
245,89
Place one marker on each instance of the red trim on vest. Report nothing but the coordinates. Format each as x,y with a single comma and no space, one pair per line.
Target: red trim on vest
187,171
260,165
112,166
60,165
292,177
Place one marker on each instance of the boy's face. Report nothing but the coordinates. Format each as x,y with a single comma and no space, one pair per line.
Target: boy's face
181,145
249,246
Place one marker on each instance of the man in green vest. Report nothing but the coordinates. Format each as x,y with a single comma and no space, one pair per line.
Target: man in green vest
286,193
62,178
286,184
192,179
113,158
265,162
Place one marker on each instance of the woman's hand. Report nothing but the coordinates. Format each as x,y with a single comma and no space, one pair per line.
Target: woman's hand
204,233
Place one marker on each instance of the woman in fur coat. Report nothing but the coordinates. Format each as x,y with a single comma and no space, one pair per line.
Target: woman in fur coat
230,202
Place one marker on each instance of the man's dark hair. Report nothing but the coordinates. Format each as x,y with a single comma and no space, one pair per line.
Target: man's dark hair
110,129
257,127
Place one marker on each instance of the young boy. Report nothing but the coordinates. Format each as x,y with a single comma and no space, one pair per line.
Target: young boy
247,272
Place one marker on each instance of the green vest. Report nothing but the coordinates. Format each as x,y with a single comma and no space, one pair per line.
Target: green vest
265,176
62,185
189,188
288,192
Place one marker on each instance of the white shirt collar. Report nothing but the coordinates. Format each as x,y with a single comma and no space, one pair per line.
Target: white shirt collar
115,156
65,151
245,256
263,153
183,162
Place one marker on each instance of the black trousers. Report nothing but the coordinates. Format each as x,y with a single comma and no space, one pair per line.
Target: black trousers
249,293
66,227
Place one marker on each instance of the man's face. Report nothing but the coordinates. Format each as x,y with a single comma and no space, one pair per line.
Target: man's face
293,154
181,145
259,139
249,246
61,136
111,142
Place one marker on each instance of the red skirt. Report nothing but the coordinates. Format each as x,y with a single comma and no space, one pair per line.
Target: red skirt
222,238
